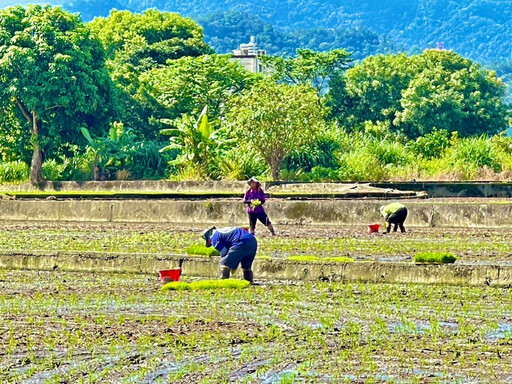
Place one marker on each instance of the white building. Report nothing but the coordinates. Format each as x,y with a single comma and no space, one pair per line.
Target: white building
249,56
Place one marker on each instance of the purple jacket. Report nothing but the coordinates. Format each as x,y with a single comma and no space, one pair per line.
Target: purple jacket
252,195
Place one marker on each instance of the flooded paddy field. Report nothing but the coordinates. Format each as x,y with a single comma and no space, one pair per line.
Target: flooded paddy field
468,244
63,327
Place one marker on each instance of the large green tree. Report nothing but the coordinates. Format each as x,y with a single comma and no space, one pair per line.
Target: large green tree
453,93
187,85
308,67
416,94
149,39
138,43
52,72
276,119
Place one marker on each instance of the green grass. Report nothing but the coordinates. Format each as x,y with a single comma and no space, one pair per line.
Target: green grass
206,285
202,250
435,257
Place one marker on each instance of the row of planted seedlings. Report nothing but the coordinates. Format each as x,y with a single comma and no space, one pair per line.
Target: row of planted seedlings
474,246
120,328
419,258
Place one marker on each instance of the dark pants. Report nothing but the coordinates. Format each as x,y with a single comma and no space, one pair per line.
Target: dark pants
255,216
397,219
243,253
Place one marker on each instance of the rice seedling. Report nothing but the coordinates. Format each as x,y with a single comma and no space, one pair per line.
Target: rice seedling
435,257
206,285
202,250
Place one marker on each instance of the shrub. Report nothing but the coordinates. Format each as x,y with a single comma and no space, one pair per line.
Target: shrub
475,153
53,171
14,172
361,165
432,145
202,250
206,285
123,174
435,257
321,153
240,164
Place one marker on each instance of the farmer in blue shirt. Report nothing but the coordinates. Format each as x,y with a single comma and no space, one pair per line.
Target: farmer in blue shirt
236,246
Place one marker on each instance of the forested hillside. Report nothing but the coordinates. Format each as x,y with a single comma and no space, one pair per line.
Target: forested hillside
479,29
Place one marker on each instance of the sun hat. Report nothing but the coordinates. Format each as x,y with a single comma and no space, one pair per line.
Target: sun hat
253,179
207,234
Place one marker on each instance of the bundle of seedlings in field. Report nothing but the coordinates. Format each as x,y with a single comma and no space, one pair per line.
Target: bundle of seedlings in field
255,203
435,257
206,285
201,250
316,259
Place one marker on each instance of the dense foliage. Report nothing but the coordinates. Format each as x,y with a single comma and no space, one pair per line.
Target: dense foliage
52,79
143,96
417,94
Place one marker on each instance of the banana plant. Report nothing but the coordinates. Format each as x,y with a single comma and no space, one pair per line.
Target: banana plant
196,139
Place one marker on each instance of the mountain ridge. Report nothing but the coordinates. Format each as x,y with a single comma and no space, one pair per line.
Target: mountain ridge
479,29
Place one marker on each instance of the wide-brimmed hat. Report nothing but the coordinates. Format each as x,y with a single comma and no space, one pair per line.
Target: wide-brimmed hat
253,179
207,234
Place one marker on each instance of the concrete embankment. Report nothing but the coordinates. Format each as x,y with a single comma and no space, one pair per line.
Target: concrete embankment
423,213
273,269
435,189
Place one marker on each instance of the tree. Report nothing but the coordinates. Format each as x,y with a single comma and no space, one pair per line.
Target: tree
276,119
371,90
309,67
413,95
149,39
187,85
53,71
453,93
137,43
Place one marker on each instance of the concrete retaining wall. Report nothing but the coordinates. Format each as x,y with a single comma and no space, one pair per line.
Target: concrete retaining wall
454,189
449,274
423,213
433,188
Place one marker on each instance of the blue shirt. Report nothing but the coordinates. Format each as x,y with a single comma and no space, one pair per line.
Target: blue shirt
225,238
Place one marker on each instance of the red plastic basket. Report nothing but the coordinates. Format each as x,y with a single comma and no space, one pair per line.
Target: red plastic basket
169,275
374,228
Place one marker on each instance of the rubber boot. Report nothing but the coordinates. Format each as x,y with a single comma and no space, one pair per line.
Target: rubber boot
225,272
248,275
271,229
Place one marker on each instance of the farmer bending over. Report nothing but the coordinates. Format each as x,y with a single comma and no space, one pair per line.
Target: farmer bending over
394,213
236,246
255,198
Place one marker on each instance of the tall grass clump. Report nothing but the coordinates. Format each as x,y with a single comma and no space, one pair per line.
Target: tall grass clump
14,172
435,257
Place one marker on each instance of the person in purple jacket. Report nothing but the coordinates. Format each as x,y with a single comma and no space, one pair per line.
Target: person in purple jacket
254,199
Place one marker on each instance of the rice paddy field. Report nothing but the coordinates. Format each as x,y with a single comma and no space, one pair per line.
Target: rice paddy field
468,244
65,327
59,327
